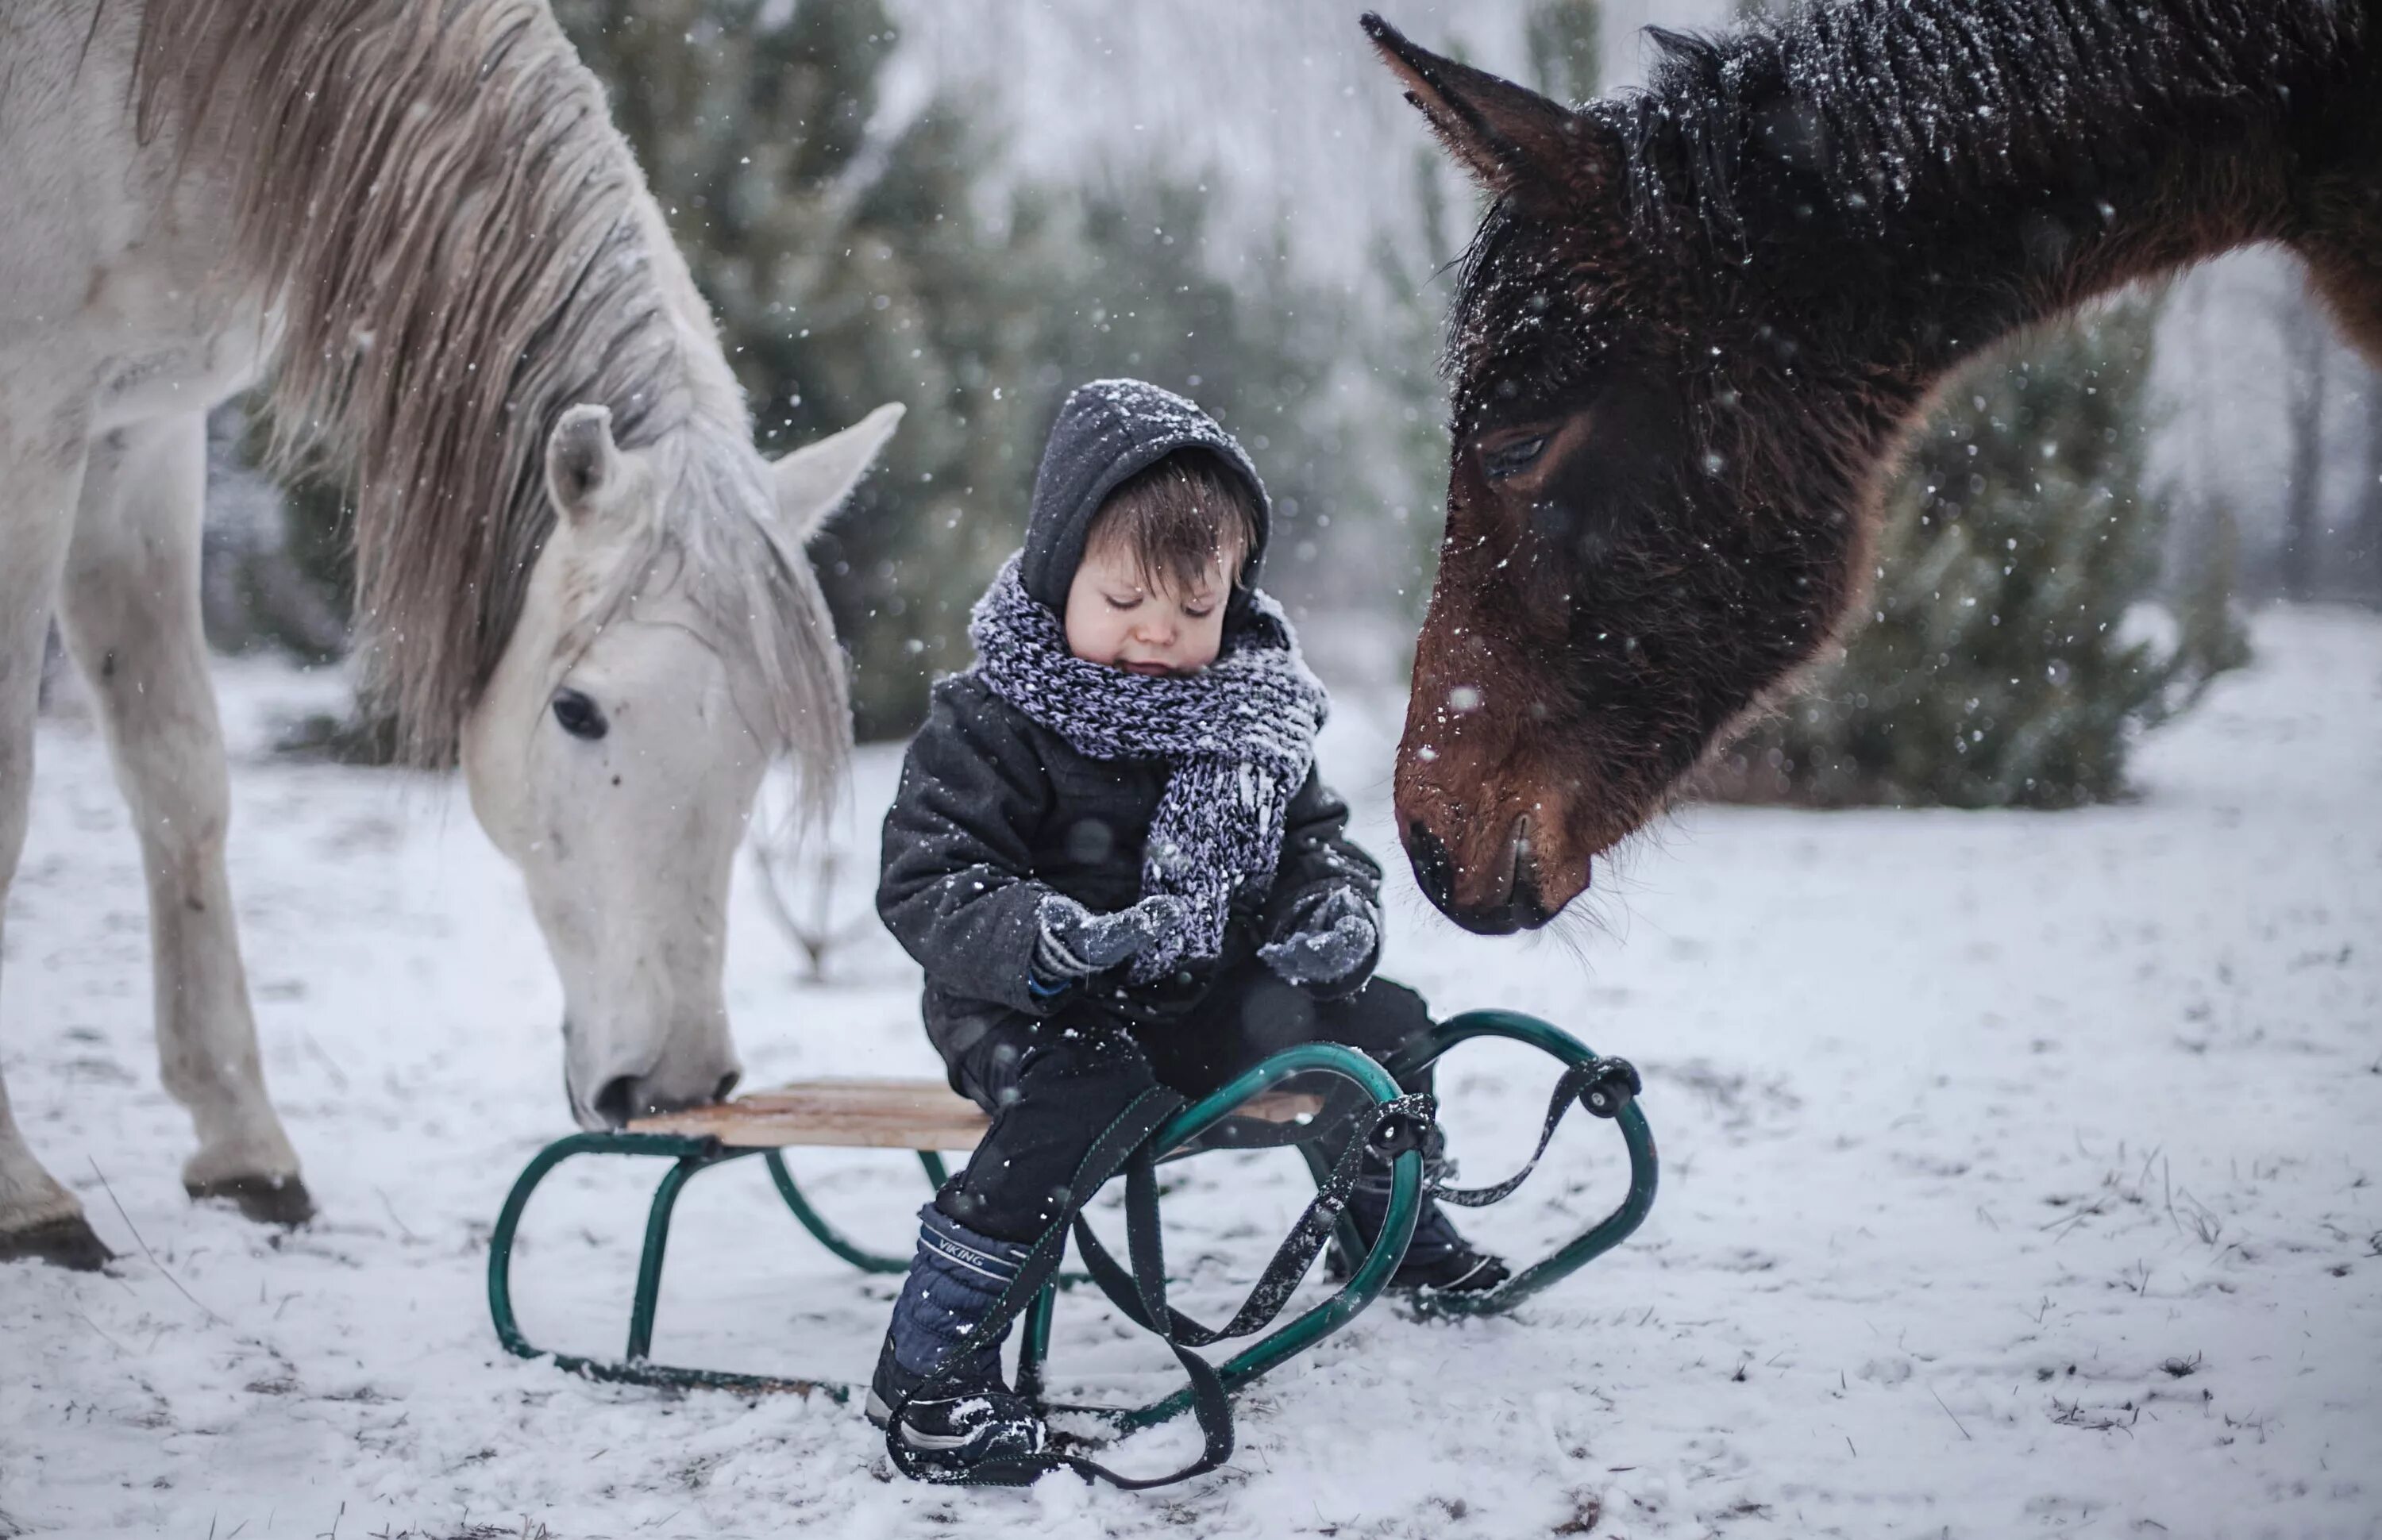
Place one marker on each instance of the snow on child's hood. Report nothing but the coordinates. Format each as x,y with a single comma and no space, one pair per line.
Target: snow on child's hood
1108,432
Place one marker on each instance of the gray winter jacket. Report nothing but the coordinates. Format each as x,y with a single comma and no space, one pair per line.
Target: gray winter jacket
995,811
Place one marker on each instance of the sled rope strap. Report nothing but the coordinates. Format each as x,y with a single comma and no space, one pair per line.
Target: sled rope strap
1392,1127
1603,1085
1123,1143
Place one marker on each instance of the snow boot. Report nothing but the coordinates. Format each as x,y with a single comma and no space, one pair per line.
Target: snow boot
968,1414
1438,1260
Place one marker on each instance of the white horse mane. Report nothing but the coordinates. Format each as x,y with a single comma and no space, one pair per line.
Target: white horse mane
459,247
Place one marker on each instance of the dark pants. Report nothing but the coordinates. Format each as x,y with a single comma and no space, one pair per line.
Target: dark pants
1052,1085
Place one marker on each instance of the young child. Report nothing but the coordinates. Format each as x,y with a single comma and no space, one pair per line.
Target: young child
1112,856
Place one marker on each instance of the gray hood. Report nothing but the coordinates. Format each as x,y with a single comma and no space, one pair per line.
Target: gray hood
1108,432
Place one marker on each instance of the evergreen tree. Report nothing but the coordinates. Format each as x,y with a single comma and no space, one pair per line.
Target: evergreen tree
273,563
854,260
1405,330
1996,666
851,264
1142,290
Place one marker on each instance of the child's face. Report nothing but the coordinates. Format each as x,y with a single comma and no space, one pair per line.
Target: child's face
1118,616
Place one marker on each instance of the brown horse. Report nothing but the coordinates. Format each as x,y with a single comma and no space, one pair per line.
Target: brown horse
1700,321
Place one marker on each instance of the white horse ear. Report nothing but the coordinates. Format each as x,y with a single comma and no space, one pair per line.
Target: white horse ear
584,467
813,482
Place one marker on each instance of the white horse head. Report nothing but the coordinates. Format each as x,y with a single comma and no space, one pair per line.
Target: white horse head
616,752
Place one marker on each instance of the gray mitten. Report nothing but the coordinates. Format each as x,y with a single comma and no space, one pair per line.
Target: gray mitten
1328,937
1073,942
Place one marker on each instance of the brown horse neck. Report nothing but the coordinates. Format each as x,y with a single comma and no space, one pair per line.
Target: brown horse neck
1912,181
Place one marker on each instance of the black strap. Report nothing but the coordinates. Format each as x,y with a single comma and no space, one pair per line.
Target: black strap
1125,1143
1603,1085
1290,1260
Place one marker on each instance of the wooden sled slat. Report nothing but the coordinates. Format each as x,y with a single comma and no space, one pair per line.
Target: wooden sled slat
878,1115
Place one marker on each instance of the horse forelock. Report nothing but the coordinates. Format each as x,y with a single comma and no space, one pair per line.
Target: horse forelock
716,546
1525,313
458,247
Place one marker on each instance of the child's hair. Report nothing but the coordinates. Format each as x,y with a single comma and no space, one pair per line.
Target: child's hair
1178,516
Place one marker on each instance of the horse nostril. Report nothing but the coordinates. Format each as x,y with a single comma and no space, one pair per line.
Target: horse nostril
617,1103
727,1083
1434,874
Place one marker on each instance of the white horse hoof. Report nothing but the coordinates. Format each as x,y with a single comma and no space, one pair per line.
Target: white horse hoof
282,1200
67,1242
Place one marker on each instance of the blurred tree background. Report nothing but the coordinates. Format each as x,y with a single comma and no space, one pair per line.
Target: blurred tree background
2009,653
852,267
865,237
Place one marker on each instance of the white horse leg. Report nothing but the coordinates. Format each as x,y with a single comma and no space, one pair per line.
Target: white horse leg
130,608
41,472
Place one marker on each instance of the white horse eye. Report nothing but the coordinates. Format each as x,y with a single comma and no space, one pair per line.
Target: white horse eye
578,715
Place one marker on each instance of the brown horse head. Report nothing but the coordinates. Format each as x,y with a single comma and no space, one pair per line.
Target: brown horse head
1700,320
1621,577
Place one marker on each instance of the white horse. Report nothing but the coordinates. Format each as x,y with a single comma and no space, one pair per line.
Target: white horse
416,219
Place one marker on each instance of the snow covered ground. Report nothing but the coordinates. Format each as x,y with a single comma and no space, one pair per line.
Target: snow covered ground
2018,1180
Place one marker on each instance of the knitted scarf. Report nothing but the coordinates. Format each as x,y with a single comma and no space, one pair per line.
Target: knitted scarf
1238,738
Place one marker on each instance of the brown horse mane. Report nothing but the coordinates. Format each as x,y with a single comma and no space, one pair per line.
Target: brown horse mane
458,246
1893,102
1870,110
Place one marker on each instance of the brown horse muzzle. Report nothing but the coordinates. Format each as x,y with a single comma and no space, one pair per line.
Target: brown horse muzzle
1507,902
1492,824
1490,873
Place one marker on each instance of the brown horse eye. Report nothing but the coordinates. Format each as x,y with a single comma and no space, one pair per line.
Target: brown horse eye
579,716
1507,458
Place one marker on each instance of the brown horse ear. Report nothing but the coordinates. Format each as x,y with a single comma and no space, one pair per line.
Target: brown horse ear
1507,136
